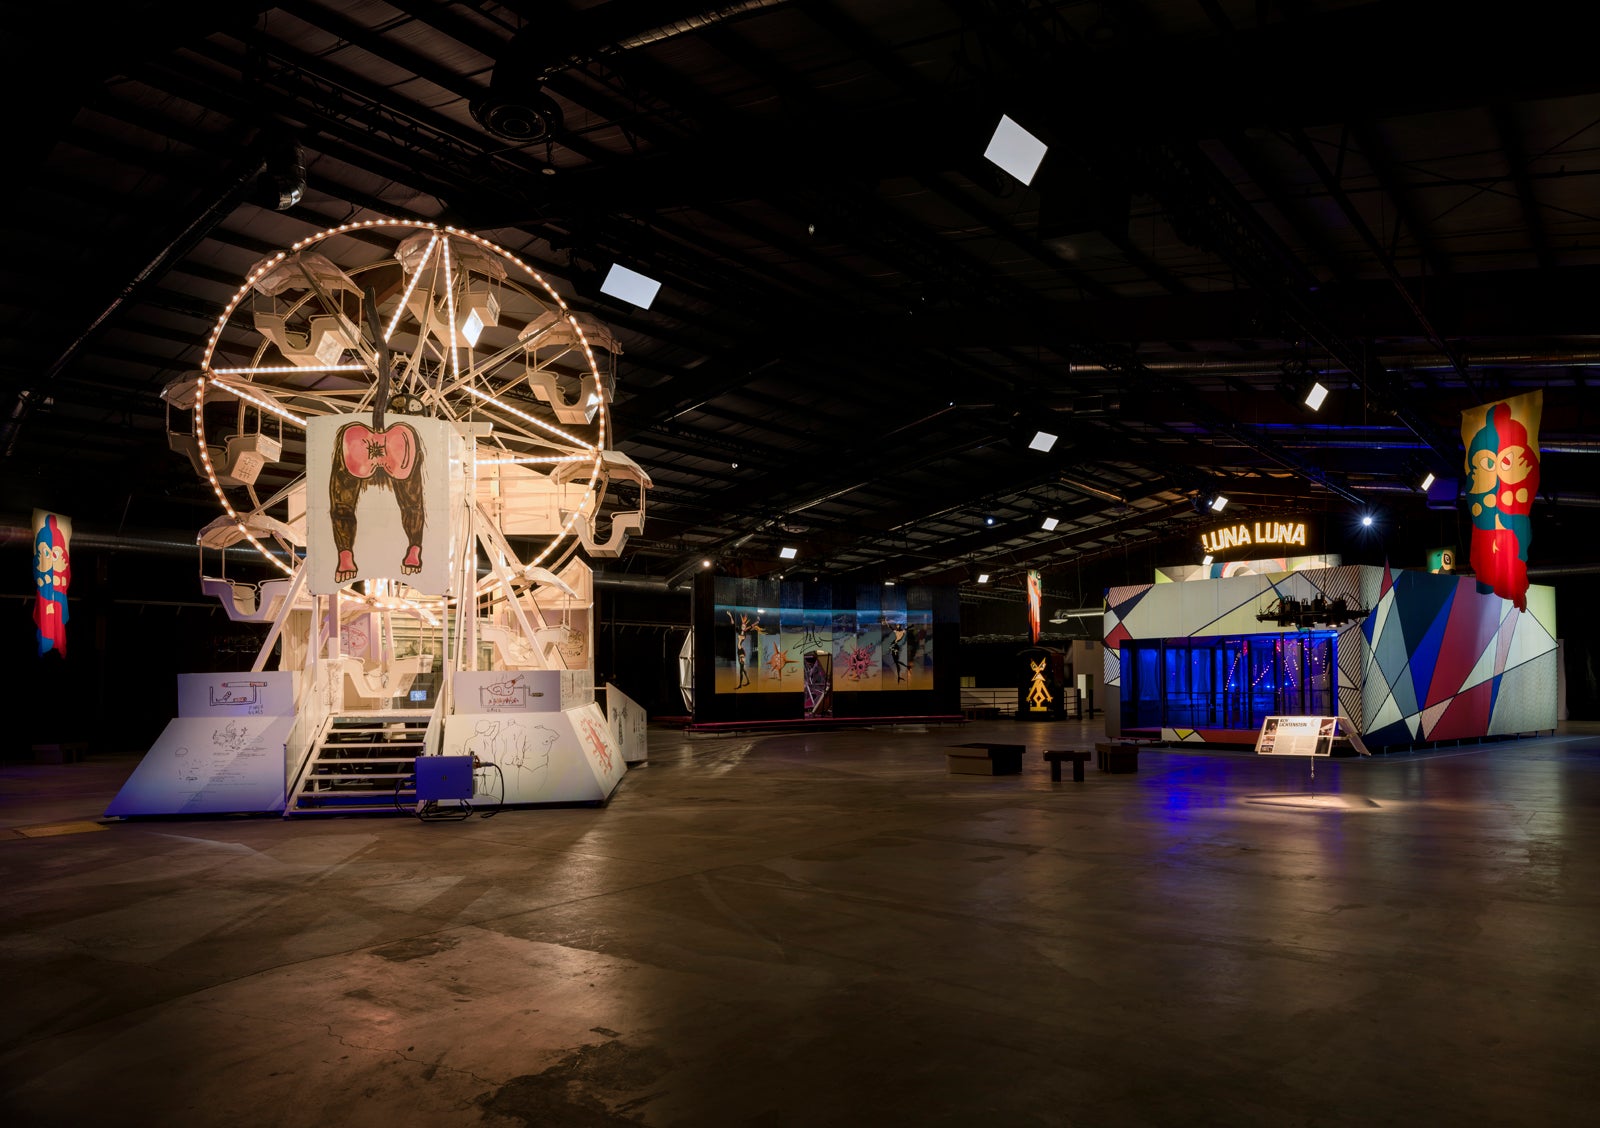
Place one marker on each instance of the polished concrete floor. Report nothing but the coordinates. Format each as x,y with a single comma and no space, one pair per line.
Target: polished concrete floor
828,929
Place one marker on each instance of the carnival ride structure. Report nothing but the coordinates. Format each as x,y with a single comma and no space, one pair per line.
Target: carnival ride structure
406,431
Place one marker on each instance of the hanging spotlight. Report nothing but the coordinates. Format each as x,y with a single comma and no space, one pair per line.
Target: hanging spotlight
705,563
988,519
1050,524
1366,520
983,577
787,552
1206,563
283,180
1427,483
1219,503
1315,396
1042,441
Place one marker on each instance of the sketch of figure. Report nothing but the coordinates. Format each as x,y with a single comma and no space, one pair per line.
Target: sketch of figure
187,771
231,737
620,730
522,752
481,743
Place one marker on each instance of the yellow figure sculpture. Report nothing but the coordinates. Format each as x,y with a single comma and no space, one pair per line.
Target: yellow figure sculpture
1039,693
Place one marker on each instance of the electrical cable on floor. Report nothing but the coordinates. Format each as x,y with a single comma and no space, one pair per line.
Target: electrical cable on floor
479,766
430,811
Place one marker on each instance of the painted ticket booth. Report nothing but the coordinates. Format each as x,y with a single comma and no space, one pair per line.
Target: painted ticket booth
1406,657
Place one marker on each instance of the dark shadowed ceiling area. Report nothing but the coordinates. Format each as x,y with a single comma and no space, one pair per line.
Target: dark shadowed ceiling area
862,322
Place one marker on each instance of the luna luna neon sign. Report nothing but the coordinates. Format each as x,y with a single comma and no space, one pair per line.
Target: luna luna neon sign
1263,532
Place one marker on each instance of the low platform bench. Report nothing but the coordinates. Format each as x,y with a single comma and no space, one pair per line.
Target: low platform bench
1117,757
1054,759
985,759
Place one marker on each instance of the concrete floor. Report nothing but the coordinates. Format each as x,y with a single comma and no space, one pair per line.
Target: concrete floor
828,929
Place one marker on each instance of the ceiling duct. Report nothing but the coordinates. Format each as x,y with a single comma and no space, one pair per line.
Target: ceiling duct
517,107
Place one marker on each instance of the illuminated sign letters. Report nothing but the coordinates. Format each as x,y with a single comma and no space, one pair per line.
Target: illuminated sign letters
1224,541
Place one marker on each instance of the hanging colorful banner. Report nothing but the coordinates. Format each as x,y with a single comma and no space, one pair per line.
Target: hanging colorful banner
52,574
1502,442
1035,598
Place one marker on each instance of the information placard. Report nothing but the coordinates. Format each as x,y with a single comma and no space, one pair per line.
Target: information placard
1297,736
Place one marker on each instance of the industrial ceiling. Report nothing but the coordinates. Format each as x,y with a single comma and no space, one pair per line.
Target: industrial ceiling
862,321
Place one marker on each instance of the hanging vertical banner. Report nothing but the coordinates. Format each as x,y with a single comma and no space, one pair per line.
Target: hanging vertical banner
1502,442
52,575
1035,598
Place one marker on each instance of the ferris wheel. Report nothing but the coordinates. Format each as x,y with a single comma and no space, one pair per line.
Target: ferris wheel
388,328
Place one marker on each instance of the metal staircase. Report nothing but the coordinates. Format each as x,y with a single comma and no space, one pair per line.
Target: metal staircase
358,762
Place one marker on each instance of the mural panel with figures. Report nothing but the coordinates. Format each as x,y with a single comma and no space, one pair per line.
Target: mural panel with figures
769,636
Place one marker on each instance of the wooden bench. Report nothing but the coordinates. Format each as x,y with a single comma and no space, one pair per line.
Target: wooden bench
1119,757
985,759
1054,758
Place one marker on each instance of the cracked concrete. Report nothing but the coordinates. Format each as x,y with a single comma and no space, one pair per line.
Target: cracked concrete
829,929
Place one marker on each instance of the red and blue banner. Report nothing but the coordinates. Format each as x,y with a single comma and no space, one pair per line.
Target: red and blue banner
1502,443
52,575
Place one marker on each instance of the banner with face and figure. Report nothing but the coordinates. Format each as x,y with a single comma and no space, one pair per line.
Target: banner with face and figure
1502,444
52,576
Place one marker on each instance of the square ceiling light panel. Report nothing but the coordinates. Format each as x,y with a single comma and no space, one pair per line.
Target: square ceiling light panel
1042,440
630,286
1015,150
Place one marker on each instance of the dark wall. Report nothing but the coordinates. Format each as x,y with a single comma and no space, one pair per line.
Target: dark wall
1578,621
639,635
134,622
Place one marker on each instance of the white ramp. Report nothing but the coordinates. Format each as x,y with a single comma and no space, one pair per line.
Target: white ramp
209,766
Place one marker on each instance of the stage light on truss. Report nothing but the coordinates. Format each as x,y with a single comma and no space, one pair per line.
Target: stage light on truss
988,519
1206,563
1050,524
1015,150
1366,520
705,563
983,577
888,583
1427,483
1315,396
1042,441
1219,503
630,286
788,552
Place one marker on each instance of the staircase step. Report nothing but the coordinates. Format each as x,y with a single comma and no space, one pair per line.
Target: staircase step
360,764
